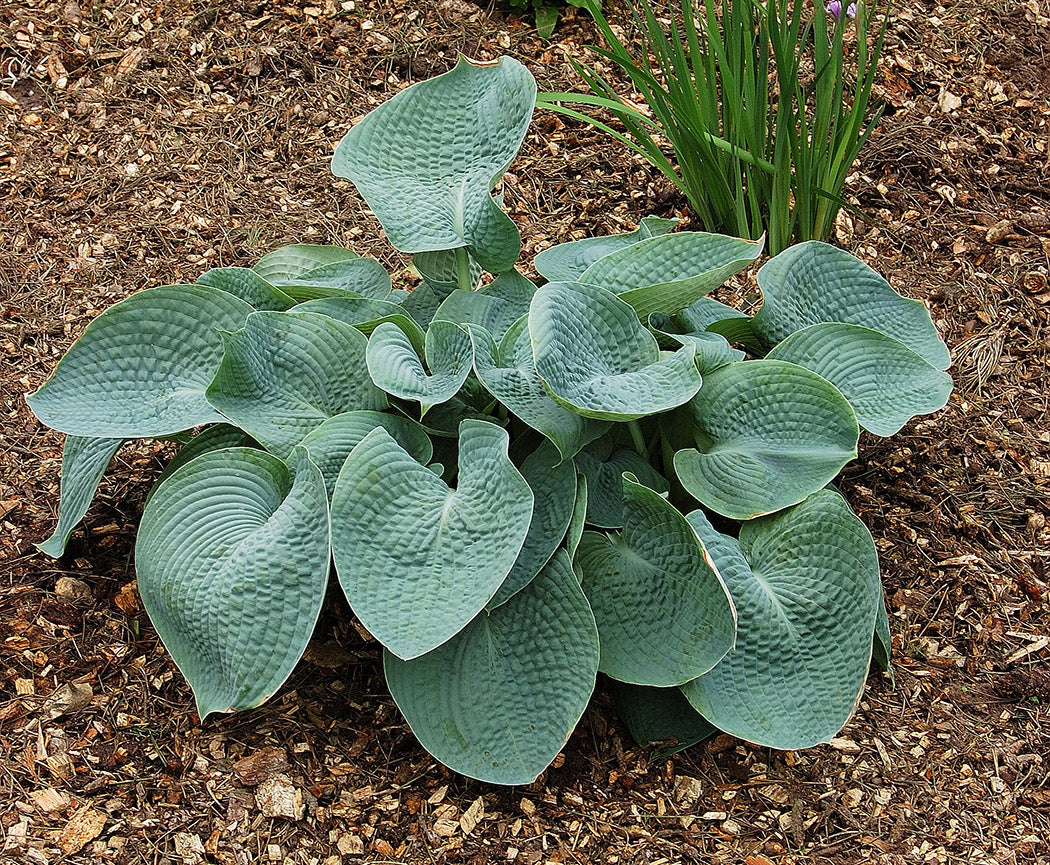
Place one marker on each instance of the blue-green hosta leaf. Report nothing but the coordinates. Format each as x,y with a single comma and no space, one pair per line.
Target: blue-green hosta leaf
806,587
604,465
232,562
885,381
712,349
427,159
364,277
495,307
248,286
330,444
659,715
553,484
882,646
669,272
498,701
416,559
366,315
598,361
567,262
813,282
141,368
291,262
215,437
708,314
768,434
422,302
397,369
579,516
511,377
663,614
285,373
440,270
84,461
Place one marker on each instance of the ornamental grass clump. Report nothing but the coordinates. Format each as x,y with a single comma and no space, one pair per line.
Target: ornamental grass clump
764,104
519,485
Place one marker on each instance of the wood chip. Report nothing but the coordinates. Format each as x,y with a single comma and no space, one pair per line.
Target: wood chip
49,799
472,816
279,797
83,827
261,766
68,698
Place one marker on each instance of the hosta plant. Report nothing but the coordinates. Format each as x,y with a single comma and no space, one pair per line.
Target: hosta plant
520,486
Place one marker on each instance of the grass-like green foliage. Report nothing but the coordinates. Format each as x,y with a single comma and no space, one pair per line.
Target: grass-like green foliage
546,12
520,485
764,108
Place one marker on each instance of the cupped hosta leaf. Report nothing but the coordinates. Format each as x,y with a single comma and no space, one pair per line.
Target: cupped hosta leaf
330,444
495,307
361,276
806,586
215,437
440,270
435,150
232,563
141,368
366,315
285,373
598,361
416,559
248,286
291,262
397,369
669,272
768,434
511,377
663,614
498,701
712,349
885,381
553,484
659,715
567,262
813,282
84,461
709,315
603,464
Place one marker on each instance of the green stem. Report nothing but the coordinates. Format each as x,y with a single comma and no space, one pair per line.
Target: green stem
463,269
637,438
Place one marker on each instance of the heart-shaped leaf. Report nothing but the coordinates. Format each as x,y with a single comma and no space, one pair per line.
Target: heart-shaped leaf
290,262
659,715
416,559
553,484
285,373
84,461
498,701
813,282
366,315
567,262
330,444
215,437
495,307
141,368
806,585
604,464
232,563
441,270
436,150
598,361
662,611
364,277
397,369
510,375
248,286
885,381
669,272
768,434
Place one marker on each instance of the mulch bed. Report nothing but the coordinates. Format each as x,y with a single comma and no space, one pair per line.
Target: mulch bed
143,142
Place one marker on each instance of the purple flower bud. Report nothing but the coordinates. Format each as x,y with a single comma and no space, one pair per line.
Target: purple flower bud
834,8
851,10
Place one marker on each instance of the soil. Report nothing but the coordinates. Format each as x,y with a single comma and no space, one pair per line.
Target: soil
142,142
